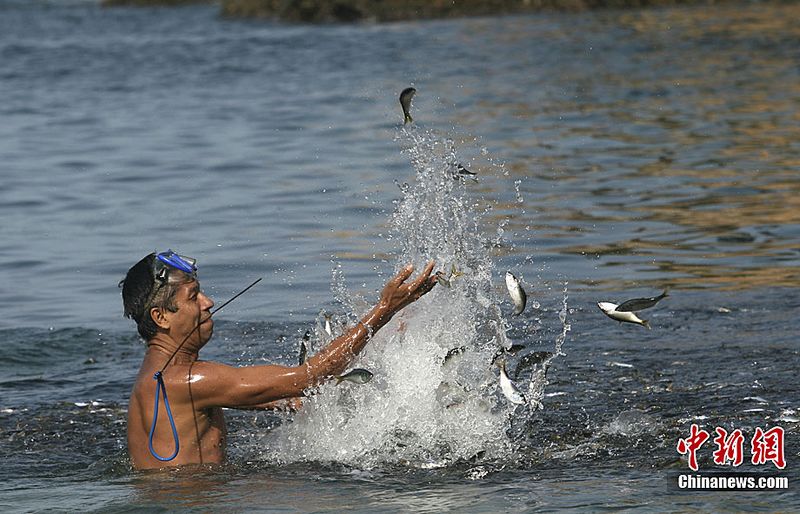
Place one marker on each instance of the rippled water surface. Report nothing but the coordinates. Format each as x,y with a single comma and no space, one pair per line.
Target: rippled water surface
618,153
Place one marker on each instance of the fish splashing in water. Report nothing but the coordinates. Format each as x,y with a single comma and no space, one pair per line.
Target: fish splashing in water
435,401
356,376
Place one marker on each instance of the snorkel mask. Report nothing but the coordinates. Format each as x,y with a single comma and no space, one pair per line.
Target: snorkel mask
169,259
163,265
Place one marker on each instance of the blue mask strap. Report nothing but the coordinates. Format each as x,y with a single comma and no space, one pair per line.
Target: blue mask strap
159,388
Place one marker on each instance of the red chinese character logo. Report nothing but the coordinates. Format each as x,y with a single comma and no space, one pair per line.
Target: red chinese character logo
768,446
693,443
729,447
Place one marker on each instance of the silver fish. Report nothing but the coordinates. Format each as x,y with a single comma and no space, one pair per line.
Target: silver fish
446,281
638,304
356,375
452,353
531,359
301,357
328,328
515,349
516,292
510,390
405,102
462,172
440,278
610,310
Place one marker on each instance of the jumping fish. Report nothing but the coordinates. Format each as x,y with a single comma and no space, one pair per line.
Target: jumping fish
452,353
513,350
445,281
303,348
510,390
638,304
440,278
405,102
531,359
518,295
356,375
328,328
610,310
462,172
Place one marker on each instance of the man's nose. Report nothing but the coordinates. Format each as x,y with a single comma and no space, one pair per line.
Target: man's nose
207,302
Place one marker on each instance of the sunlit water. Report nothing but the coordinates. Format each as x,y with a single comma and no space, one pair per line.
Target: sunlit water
618,153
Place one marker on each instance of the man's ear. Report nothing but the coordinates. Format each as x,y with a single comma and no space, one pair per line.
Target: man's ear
157,314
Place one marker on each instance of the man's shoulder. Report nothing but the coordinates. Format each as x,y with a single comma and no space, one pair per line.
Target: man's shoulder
181,373
211,365
209,371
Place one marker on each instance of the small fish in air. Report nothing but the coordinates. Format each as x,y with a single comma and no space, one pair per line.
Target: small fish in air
328,328
610,310
516,292
462,172
530,360
446,281
638,304
510,390
454,352
301,357
513,350
405,102
356,375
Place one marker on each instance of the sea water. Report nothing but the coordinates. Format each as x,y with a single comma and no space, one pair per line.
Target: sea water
618,153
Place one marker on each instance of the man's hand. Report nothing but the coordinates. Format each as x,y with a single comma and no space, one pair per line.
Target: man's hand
397,294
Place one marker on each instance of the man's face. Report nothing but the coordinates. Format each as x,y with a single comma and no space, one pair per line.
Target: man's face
193,307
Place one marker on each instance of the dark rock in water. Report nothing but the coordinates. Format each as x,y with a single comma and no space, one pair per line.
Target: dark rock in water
348,11
351,11
152,3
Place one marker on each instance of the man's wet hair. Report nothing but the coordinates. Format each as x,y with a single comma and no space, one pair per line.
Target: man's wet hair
138,297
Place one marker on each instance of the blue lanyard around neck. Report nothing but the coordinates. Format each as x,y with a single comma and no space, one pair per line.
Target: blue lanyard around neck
160,387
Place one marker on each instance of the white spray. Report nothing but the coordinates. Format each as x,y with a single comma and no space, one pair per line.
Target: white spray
418,409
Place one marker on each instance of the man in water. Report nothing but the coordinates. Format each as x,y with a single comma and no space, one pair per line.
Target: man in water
173,315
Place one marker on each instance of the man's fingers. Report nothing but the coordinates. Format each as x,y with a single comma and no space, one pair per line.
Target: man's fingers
424,276
429,285
402,276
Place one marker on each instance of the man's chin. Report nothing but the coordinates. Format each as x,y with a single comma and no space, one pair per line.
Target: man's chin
208,328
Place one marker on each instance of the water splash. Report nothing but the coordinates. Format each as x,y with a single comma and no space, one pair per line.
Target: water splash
434,396
538,379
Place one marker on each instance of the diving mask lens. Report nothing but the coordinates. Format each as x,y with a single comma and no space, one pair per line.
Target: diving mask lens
180,262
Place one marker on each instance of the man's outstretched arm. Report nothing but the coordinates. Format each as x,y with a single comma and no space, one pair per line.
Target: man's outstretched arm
218,385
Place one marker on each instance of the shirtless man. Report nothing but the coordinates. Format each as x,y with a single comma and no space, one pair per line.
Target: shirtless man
161,293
